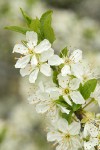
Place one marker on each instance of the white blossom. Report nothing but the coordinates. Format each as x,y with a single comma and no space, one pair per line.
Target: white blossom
96,94
36,57
74,58
69,89
92,134
66,136
83,71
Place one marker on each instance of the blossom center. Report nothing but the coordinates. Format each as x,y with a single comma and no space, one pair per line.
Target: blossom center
66,91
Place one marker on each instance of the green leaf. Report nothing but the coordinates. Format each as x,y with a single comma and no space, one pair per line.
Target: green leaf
2,135
35,25
26,17
68,117
76,107
62,102
88,88
64,52
46,28
18,29
55,74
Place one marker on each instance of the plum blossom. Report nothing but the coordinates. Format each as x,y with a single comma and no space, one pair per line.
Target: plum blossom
45,101
84,71
74,58
92,135
69,89
66,136
35,57
96,94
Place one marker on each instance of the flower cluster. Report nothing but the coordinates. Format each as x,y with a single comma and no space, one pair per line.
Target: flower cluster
65,86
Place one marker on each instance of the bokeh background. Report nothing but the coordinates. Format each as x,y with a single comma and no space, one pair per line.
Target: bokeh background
77,25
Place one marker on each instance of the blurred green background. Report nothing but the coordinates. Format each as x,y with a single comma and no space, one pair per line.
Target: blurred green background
77,25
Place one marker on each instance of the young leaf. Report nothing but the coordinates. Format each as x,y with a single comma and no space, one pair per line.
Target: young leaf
26,17
88,88
18,29
64,52
55,74
68,117
46,28
35,25
62,102
76,107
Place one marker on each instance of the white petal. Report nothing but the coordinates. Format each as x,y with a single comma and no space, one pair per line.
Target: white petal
22,62
42,46
74,84
74,128
54,95
55,60
45,69
33,99
64,110
66,98
26,71
77,97
77,70
33,76
30,46
92,129
34,61
63,125
19,48
63,81
53,136
31,36
76,56
46,55
90,144
65,70
42,107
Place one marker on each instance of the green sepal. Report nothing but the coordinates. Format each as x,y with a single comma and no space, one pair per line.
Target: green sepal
64,52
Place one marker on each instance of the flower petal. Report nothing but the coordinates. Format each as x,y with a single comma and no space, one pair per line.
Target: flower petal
22,62
77,97
46,55
63,125
26,71
33,76
42,46
54,95
76,56
65,70
32,37
74,128
55,60
66,98
53,136
42,107
34,61
19,48
74,84
45,69
91,143
63,80
77,70
64,110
